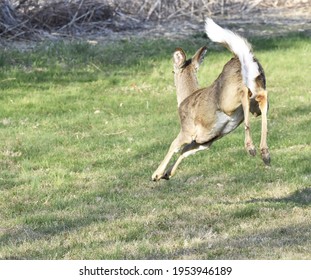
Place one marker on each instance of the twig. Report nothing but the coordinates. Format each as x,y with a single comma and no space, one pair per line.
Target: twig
14,27
153,8
95,66
114,133
74,17
253,5
8,79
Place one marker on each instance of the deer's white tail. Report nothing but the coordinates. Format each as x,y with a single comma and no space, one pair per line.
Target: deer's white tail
239,46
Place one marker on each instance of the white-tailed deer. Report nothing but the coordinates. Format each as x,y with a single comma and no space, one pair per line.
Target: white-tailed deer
210,113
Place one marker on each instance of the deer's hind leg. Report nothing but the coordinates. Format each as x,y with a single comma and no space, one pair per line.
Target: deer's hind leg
262,99
245,100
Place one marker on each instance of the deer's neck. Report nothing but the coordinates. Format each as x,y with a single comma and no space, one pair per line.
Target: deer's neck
186,88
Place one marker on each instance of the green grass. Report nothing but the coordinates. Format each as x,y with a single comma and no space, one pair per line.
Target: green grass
83,127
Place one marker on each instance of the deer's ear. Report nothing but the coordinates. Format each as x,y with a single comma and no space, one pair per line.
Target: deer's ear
198,58
179,57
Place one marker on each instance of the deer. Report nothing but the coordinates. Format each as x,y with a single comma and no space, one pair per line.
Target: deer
208,114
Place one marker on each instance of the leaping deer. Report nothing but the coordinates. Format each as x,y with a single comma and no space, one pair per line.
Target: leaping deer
208,114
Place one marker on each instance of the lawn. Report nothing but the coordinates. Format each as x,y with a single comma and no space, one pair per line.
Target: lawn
84,126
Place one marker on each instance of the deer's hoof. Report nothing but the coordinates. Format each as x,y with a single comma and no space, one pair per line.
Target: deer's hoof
250,148
265,155
166,176
252,152
156,177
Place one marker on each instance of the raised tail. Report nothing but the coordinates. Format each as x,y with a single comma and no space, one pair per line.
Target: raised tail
240,47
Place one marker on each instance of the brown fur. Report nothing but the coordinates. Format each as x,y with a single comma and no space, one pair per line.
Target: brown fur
208,114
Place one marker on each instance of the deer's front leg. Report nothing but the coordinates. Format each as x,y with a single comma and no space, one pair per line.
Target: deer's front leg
249,146
174,148
188,150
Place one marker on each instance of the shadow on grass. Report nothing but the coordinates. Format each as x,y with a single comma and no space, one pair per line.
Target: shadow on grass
270,244
298,198
241,247
298,110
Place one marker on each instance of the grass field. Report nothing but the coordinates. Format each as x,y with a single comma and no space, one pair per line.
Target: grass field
83,127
